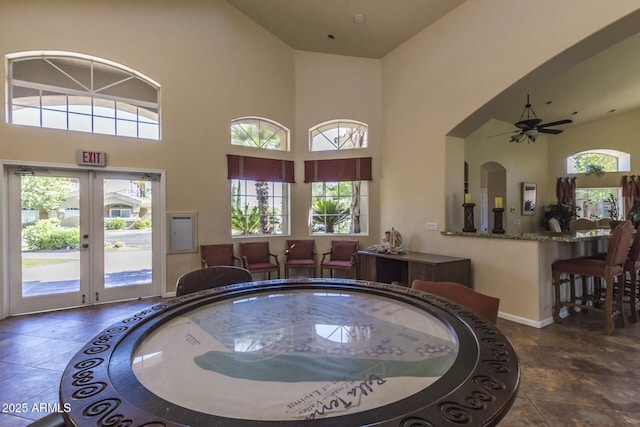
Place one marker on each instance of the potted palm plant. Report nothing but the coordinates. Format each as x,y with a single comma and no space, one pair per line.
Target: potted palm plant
329,213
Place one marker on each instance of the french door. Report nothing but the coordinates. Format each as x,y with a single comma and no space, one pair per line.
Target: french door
81,237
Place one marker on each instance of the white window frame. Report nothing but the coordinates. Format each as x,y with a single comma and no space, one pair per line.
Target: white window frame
279,221
338,135
278,130
317,228
85,105
623,160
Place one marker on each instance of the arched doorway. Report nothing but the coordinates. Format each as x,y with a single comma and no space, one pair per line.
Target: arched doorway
493,183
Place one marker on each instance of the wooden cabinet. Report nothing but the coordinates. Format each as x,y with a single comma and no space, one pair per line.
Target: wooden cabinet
386,268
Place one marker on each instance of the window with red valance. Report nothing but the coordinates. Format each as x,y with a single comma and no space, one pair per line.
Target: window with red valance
259,195
339,195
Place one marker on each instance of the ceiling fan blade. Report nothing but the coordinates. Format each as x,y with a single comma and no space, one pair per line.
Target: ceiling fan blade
504,133
551,131
559,122
528,124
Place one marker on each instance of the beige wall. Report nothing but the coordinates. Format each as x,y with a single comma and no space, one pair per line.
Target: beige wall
435,81
523,162
330,87
618,132
215,64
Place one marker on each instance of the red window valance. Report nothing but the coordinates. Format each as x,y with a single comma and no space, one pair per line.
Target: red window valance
358,169
259,169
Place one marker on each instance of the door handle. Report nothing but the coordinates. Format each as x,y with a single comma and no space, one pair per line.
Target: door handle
85,245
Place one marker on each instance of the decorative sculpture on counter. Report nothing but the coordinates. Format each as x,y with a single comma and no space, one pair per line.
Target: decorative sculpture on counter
391,242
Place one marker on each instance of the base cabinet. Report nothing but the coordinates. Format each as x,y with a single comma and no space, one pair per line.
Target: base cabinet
386,268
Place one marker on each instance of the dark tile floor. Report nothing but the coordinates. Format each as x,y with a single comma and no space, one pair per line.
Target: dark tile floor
572,374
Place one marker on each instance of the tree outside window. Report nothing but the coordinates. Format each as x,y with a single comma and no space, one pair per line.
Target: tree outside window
336,207
258,207
598,162
260,133
595,203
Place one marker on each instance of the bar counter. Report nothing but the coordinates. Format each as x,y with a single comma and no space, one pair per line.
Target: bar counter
566,237
516,267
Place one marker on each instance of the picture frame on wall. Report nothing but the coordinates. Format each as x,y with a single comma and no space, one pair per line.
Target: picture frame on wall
529,191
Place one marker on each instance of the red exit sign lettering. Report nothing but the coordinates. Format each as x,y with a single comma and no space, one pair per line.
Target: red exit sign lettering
91,158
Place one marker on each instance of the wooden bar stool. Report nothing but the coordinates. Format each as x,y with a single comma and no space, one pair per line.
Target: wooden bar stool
610,268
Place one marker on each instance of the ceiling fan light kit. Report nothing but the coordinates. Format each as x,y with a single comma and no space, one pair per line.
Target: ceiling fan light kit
530,126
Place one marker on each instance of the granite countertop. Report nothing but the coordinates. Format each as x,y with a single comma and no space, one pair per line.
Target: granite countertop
573,236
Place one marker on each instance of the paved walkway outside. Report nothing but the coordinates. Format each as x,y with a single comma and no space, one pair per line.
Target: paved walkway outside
123,266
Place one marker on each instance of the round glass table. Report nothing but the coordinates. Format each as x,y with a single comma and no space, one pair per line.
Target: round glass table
295,352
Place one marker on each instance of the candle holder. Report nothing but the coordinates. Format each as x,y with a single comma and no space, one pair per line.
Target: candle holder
468,218
497,221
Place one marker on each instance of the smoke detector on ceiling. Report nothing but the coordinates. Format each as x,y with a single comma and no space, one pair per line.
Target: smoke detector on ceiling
358,18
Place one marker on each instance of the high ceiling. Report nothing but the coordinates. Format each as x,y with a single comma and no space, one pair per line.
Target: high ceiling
605,84
309,24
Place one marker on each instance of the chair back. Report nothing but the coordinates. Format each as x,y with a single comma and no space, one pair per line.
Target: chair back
255,252
582,224
343,250
221,254
619,242
300,249
634,252
482,304
211,277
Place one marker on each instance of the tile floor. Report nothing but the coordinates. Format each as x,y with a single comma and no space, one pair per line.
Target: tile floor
572,374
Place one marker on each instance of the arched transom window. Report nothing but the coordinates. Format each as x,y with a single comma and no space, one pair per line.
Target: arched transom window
338,135
259,132
598,161
77,92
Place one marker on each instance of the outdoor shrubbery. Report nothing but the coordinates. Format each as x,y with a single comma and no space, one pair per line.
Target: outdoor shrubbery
141,224
114,223
47,234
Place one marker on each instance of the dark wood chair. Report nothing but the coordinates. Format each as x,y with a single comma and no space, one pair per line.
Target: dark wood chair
342,256
256,257
300,254
607,268
631,267
220,254
477,302
211,277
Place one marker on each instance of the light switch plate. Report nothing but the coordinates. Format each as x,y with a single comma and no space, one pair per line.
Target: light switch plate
432,226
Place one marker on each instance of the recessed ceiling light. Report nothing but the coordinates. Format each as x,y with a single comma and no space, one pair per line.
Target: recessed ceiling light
358,18
612,111
547,103
331,37
574,113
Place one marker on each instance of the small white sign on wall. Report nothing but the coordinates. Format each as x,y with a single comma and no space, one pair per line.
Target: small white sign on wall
182,232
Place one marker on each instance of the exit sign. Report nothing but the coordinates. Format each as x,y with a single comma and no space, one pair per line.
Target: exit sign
91,158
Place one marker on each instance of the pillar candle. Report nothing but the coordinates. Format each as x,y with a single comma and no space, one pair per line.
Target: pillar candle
467,197
498,202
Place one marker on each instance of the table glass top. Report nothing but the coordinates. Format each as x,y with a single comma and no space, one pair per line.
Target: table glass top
298,354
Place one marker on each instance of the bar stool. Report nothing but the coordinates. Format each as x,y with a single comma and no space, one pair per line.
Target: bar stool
631,267
609,269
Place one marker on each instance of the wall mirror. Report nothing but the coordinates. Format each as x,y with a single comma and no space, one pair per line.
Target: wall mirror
528,198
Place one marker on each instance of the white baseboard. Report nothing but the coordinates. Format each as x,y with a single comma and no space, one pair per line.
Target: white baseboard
539,324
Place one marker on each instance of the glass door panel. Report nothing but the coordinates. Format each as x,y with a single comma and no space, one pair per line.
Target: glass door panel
81,237
50,240
127,213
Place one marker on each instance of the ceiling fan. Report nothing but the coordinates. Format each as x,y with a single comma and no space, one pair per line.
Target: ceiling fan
531,126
